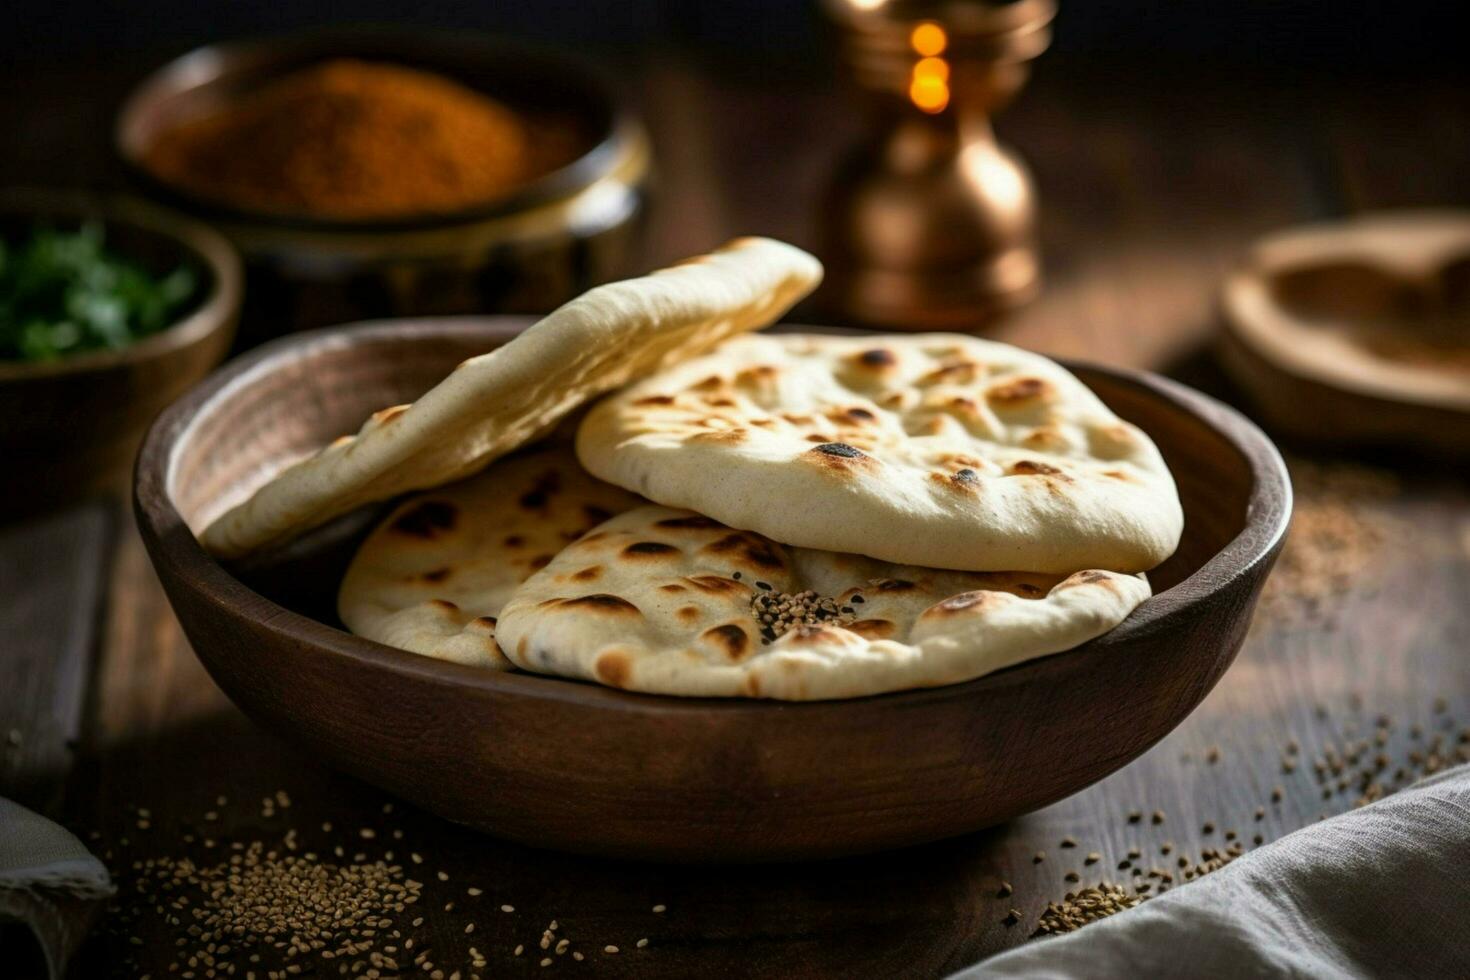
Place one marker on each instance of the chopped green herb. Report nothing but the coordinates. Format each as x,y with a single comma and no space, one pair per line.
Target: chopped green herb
63,292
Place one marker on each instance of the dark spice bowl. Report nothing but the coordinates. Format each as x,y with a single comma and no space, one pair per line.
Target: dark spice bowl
539,245
72,426
579,767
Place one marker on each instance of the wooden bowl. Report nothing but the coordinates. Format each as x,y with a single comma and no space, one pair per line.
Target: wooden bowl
72,426
530,250
1357,332
579,767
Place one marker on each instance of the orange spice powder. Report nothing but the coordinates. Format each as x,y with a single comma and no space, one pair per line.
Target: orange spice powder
351,139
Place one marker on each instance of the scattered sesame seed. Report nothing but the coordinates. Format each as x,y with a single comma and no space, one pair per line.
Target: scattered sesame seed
777,613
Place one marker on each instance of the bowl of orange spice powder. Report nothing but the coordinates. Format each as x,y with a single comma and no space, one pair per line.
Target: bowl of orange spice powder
373,173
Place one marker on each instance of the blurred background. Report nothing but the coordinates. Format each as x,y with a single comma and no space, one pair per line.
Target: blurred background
1129,182
1340,35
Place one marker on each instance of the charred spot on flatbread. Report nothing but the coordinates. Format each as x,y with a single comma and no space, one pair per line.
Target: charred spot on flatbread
751,548
964,602
730,638
426,519
1091,576
838,456
876,358
597,602
716,584
1018,392
648,549
542,491
613,668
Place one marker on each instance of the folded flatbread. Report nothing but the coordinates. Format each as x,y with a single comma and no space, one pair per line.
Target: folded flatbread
512,396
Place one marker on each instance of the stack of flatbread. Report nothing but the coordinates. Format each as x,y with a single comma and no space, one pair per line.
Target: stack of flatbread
740,515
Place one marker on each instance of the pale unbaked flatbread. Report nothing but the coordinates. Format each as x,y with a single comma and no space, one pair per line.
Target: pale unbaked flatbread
936,450
659,600
432,577
512,396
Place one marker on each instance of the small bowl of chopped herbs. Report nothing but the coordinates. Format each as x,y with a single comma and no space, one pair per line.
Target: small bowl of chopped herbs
109,309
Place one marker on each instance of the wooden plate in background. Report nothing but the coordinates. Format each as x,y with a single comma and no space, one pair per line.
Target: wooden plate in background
1358,332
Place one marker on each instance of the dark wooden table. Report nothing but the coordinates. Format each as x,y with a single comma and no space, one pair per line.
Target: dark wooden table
1151,182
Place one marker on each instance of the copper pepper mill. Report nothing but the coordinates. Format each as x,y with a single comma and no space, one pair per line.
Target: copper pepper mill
931,224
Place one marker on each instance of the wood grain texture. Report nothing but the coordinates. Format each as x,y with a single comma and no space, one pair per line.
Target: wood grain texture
1152,181
489,749
51,592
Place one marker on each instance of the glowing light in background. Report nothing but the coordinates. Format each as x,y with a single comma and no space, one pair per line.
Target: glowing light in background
929,86
929,39
932,68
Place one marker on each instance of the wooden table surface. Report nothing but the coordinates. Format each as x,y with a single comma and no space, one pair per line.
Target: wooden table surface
1151,183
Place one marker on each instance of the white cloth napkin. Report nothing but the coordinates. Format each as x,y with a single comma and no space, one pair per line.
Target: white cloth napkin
1383,891
49,882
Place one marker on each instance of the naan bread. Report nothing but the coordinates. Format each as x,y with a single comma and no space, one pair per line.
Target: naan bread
660,601
935,450
432,577
512,396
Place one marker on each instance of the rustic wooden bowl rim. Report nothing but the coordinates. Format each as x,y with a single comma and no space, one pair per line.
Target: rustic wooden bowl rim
1267,516
206,245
